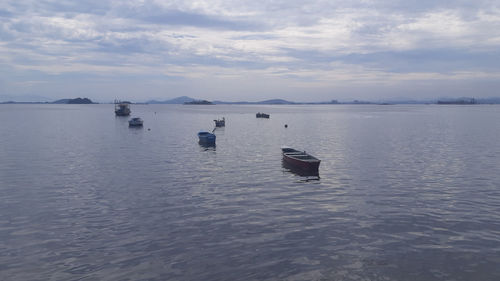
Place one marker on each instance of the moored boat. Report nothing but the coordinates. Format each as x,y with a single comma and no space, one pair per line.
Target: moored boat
135,122
206,137
262,115
310,174
300,159
220,122
122,108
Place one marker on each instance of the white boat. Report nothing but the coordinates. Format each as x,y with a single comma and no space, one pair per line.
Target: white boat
135,122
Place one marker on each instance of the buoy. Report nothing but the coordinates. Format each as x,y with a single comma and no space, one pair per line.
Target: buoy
286,125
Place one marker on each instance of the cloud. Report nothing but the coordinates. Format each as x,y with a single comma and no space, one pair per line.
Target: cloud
180,18
315,44
427,60
67,7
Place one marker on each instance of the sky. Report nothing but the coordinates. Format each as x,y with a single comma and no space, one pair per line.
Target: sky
249,50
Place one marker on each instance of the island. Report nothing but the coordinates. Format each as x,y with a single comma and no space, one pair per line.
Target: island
74,101
203,102
458,101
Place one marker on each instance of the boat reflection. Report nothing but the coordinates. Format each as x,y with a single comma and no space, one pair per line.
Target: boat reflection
207,145
307,174
219,130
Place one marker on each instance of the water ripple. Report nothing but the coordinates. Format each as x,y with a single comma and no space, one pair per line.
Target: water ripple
403,193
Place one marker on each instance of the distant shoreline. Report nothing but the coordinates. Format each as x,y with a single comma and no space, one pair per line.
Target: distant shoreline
191,101
61,101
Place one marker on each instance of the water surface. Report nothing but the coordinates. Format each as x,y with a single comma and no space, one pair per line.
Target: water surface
404,193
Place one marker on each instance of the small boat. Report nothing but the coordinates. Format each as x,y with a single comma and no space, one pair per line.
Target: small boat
135,122
122,108
300,159
220,122
262,115
206,137
309,174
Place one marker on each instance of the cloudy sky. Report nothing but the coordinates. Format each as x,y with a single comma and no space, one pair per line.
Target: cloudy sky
249,50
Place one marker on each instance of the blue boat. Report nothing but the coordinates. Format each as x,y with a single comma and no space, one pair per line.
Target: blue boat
206,137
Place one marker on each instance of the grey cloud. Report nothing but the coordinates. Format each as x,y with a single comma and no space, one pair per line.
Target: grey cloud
129,33
433,60
128,45
256,37
156,14
5,13
310,56
422,6
49,7
421,60
173,17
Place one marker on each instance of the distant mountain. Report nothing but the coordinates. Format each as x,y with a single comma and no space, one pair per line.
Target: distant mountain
232,102
179,100
489,100
457,101
202,102
74,101
61,101
276,101
273,101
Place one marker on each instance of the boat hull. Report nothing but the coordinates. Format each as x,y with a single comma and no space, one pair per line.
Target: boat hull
122,113
206,138
300,159
311,166
135,122
220,123
122,109
298,171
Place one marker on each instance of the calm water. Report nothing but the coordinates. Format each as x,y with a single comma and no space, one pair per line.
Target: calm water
405,193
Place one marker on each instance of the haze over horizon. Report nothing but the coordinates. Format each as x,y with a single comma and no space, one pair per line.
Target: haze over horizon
304,51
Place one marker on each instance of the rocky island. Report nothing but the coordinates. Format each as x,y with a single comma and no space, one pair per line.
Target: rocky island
74,101
199,102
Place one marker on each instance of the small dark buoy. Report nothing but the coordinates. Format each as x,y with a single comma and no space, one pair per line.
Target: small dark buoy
149,129
286,125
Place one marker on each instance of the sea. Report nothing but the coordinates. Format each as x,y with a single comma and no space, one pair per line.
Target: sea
404,192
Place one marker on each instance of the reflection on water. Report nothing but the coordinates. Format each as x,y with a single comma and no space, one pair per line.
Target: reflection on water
308,174
219,130
207,145
406,193
136,127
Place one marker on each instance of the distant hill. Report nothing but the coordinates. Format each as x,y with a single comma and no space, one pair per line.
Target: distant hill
189,100
179,100
457,101
489,100
202,102
276,101
74,101
61,101
273,101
